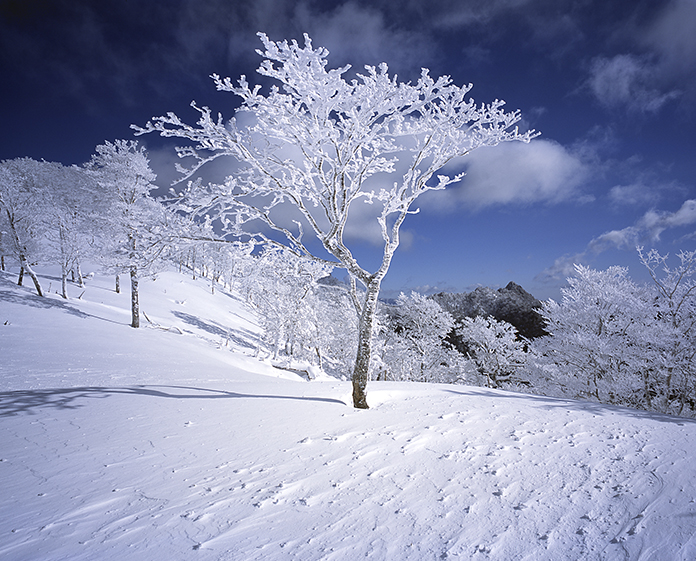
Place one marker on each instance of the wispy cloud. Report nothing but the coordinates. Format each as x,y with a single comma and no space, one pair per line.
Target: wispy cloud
354,32
646,230
360,35
642,187
453,14
656,67
627,81
655,222
634,194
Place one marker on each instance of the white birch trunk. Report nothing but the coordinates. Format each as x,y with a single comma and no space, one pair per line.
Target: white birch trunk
135,304
26,267
64,280
63,263
24,264
78,270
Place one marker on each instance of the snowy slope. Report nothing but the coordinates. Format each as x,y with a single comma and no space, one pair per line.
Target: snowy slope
173,442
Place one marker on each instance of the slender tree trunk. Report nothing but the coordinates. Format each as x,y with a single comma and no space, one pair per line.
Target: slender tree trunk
64,280
64,263
135,304
118,284
318,351
23,263
361,371
80,278
26,267
646,388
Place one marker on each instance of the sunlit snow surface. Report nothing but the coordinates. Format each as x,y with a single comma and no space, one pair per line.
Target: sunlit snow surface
173,442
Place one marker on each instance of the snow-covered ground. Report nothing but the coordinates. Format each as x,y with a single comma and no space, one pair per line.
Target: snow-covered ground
173,442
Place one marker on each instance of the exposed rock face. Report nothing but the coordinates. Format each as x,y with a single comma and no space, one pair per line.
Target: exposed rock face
512,304
328,280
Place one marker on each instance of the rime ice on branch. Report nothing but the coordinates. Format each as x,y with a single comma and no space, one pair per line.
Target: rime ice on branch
321,144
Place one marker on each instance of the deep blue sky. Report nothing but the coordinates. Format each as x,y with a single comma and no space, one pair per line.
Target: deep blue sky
611,86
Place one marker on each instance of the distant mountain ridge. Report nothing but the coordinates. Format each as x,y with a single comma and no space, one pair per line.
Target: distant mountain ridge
512,304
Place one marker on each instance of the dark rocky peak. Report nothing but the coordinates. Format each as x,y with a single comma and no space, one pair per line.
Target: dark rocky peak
512,304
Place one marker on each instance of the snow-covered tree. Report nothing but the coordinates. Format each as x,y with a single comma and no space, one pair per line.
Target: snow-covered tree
606,335
319,145
337,332
675,301
24,209
136,228
413,342
282,289
71,199
494,347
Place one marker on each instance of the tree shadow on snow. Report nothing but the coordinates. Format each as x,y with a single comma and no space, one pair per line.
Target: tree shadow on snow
26,296
31,401
216,330
36,301
592,407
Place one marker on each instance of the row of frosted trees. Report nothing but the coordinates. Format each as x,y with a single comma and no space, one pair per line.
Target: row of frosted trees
309,318
616,341
51,213
609,339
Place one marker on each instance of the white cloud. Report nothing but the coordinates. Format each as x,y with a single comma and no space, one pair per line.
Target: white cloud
655,222
634,194
562,268
640,185
647,82
626,238
462,14
627,80
513,172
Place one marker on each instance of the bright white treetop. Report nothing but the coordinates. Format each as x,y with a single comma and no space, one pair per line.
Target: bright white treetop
318,141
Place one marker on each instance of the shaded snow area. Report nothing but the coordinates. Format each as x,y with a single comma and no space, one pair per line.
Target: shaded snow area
173,442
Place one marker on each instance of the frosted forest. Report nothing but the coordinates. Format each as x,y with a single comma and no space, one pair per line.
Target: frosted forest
609,339
186,374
